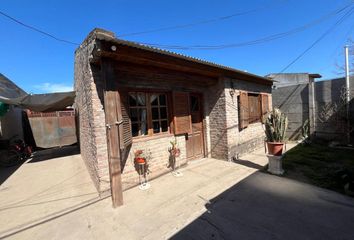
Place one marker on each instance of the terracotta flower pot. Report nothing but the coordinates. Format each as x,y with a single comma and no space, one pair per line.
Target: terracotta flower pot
140,160
275,148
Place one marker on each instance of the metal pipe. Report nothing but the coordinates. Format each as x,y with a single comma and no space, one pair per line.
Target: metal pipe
347,89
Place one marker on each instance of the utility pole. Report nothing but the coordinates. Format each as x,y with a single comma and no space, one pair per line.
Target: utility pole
347,88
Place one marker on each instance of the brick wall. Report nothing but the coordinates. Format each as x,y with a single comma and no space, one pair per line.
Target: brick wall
159,158
89,107
241,141
217,128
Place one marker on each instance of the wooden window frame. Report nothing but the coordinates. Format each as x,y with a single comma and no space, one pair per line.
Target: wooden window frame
148,107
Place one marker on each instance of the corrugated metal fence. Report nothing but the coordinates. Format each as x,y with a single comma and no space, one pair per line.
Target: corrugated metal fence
53,129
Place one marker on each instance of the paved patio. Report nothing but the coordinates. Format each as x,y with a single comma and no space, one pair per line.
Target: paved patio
55,199
213,200
52,182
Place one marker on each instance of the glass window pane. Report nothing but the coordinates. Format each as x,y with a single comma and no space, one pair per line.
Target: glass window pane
154,100
143,128
155,113
142,114
135,129
134,114
164,126
141,99
156,126
162,99
194,104
132,99
163,112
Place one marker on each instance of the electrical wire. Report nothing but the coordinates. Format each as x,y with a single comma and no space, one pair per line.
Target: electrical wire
341,20
253,42
36,29
222,18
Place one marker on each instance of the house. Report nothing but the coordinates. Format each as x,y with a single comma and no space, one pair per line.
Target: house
134,97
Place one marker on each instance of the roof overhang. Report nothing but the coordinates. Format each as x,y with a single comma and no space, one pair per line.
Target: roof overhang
108,46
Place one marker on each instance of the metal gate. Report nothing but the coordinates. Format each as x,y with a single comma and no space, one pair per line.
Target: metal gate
53,129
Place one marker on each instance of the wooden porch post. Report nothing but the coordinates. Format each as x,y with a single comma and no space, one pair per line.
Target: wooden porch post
113,115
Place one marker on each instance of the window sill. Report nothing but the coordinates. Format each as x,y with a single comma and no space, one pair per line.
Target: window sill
148,138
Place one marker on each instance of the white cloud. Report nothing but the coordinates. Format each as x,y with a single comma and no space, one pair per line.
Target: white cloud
54,87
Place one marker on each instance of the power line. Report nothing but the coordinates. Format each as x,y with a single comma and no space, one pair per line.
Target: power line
338,47
36,29
222,18
346,15
252,42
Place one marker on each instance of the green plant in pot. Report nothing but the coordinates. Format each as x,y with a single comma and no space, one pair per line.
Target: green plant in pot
276,124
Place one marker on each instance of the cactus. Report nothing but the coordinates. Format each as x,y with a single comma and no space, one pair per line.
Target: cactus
276,124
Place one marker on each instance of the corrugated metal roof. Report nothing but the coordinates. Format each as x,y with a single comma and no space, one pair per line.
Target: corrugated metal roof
102,34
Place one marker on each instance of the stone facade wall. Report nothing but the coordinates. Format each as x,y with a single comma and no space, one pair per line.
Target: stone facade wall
217,121
224,138
241,141
89,107
157,149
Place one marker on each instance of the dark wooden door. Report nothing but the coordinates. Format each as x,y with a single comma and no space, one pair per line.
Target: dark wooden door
195,140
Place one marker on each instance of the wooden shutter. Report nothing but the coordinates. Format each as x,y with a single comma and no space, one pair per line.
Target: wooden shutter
265,105
125,130
181,113
244,111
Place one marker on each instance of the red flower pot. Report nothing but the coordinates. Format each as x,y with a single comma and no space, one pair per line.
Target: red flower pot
140,160
275,148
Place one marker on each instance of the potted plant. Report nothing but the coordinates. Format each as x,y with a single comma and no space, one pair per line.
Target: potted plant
174,153
139,157
276,124
174,150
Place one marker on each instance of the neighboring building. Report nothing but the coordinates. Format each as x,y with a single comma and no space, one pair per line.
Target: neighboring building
292,95
320,102
291,79
139,97
48,122
11,121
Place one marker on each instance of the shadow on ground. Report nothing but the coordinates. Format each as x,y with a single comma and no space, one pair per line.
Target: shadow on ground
248,163
6,172
38,156
264,206
52,153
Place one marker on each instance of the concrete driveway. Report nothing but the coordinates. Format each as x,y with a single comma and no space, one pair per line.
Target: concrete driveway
212,200
51,183
263,206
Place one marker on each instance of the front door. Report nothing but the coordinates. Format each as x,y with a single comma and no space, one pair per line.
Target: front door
194,140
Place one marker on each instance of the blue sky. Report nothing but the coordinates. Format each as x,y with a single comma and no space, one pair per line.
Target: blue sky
40,64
